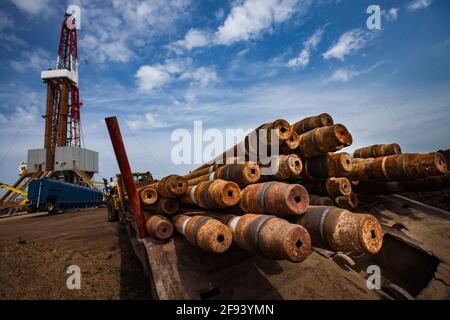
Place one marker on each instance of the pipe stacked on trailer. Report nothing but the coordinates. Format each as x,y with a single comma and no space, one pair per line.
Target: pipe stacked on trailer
278,205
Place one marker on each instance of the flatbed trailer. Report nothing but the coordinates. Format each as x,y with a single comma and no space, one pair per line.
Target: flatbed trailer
414,261
412,265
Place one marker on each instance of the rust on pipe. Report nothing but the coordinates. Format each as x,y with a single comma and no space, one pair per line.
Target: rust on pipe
205,177
310,123
378,150
341,230
242,174
349,202
332,187
360,160
274,198
125,171
281,127
319,141
148,195
204,232
269,236
289,145
315,200
330,165
407,166
207,170
166,206
213,194
171,186
286,166
159,227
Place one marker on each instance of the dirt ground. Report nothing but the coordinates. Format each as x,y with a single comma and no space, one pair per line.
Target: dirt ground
36,249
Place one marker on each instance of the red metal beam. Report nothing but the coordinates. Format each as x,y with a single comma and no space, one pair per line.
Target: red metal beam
125,170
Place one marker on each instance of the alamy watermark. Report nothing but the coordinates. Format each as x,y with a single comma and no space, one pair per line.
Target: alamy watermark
374,280
207,146
74,280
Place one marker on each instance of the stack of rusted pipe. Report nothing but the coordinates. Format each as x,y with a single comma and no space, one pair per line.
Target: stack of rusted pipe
238,199
279,204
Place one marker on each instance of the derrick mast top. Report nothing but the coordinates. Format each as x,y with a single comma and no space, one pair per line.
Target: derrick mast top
68,48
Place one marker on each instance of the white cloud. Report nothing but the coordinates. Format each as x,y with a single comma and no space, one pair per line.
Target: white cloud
116,51
343,75
247,20
204,76
391,14
5,21
156,14
37,61
146,121
21,116
346,74
349,43
115,32
302,60
150,77
418,4
33,6
194,38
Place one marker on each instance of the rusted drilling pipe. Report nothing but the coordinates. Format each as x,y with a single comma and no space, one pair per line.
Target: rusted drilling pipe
332,187
289,145
148,195
171,186
349,202
204,232
341,230
281,127
268,236
242,174
407,166
248,149
378,150
159,227
274,198
330,165
310,123
315,200
213,194
166,206
125,171
282,167
207,170
319,141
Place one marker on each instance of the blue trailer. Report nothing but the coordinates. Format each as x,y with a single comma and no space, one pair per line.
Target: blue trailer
49,195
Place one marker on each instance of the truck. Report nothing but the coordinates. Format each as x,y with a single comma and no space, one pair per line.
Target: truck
46,194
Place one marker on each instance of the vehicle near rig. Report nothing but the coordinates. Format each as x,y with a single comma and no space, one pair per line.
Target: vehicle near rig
52,195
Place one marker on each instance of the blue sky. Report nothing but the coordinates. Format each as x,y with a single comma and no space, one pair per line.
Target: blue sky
161,65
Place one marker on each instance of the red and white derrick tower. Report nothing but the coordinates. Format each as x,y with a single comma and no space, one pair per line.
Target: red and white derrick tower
62,116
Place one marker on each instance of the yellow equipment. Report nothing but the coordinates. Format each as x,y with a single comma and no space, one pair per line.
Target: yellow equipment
24,194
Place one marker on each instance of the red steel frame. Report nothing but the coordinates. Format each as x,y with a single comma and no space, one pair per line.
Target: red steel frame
68,59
